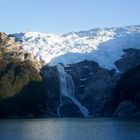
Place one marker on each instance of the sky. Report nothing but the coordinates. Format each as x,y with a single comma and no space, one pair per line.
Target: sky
62,16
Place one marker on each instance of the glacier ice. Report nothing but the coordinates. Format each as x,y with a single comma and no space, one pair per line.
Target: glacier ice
103,45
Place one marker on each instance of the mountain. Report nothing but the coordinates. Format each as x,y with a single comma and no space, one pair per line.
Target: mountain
91,73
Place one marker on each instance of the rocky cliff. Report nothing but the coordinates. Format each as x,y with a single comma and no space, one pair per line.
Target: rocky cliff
28,88
20,81
98,89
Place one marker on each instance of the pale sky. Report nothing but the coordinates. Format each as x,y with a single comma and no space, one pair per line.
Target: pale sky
62,16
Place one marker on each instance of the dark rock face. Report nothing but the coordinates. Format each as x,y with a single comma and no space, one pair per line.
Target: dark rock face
93,85
69,109
127,92
126,109
130,59
31,101
95,88
99,91
51,86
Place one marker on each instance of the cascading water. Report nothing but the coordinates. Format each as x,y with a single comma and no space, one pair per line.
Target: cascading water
67,88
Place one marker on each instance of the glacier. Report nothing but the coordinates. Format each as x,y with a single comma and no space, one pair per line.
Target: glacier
102,45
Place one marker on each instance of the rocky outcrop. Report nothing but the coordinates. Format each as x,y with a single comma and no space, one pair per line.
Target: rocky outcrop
51,86
10,49
126,94
14,76
20,82
95,87
130,59
127,109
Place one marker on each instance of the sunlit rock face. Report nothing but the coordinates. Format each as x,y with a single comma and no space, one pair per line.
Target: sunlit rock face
20,82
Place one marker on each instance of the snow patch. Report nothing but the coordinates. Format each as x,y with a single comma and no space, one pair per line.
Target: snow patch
84,79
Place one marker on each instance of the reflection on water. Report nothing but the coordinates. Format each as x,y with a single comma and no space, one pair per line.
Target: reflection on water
70,129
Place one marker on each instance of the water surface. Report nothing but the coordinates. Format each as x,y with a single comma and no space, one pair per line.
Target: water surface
70,129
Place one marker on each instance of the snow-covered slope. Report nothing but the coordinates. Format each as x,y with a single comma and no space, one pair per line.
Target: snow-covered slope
104,46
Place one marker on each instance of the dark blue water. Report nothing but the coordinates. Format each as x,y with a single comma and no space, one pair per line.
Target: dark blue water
70,129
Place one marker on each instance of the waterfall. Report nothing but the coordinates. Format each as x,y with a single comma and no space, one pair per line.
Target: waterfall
67,88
